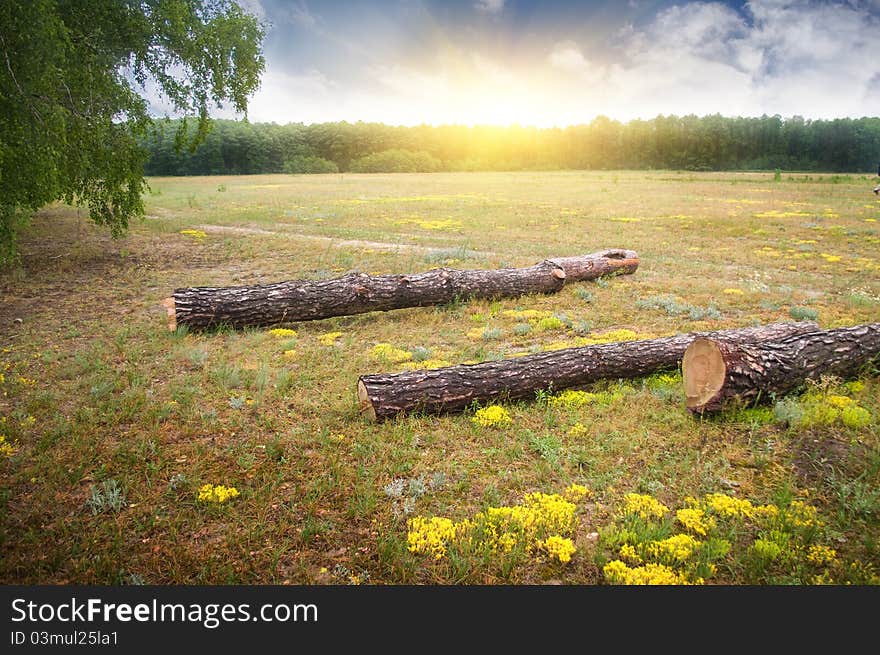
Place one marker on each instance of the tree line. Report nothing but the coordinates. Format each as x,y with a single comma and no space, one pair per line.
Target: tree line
688,142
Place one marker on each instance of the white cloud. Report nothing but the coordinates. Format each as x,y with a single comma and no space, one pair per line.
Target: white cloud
567,56
490,6
253,7
774,56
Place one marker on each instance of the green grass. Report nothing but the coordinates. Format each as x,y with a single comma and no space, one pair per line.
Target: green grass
113,423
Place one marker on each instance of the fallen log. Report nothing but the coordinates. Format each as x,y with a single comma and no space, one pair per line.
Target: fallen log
717,370
454,388
357,293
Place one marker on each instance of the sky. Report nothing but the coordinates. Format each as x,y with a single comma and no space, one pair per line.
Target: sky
558,63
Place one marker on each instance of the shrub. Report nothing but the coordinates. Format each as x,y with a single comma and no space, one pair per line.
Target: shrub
397,161
309,164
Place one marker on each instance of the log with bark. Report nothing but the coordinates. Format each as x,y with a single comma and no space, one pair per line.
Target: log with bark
455,388
357,293
718,370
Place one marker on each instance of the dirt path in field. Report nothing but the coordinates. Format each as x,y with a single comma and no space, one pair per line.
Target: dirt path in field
338,243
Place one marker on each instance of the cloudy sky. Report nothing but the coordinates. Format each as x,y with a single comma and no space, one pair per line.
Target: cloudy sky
555,62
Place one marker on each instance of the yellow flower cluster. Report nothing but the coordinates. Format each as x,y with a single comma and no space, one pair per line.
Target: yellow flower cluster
828,409
695,520
198,235
543,522
571,399
430,536
644,506
821,555
6,448
579,430
618,573
282,333
559,548
575,492
385,352
538,514
612,336
491,416
801,515
727,506
550,323
209,493
442,225
427,364
677,548
734,292
329,338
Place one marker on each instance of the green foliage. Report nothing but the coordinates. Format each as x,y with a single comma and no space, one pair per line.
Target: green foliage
713,142
70,96
309,164
801,313
397,161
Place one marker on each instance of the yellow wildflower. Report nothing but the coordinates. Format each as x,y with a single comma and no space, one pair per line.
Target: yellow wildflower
618,573
855,417
695,520
385,352
574,492
821,555
571,399
579,430
329,338
427,364
629,553
290,354
198,235
677,548
209,493
729,507
6,448
734,292
430,536
282,332
644,506
559,548
491,416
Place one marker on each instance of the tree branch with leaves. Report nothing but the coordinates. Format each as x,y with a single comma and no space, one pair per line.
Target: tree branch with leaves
73,81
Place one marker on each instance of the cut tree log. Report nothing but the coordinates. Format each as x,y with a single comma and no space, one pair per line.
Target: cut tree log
455,388
718,370
357,293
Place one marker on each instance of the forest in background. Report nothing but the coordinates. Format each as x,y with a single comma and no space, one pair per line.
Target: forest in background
715,142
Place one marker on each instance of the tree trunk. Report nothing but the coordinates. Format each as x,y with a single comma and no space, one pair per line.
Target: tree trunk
719,370
357,293
605,262
454,388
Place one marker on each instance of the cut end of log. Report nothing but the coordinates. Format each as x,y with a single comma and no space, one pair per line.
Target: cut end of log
168,304
703,371
558,273
365,402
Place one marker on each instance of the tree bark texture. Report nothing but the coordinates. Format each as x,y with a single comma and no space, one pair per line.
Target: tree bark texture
719,370
454,388
357,293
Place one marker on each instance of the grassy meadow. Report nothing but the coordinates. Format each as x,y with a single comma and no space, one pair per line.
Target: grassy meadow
113,426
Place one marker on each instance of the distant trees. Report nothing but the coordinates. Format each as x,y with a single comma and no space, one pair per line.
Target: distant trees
397,161
666,142
309,164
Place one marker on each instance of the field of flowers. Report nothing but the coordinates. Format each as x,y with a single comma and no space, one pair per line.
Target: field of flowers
134,455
